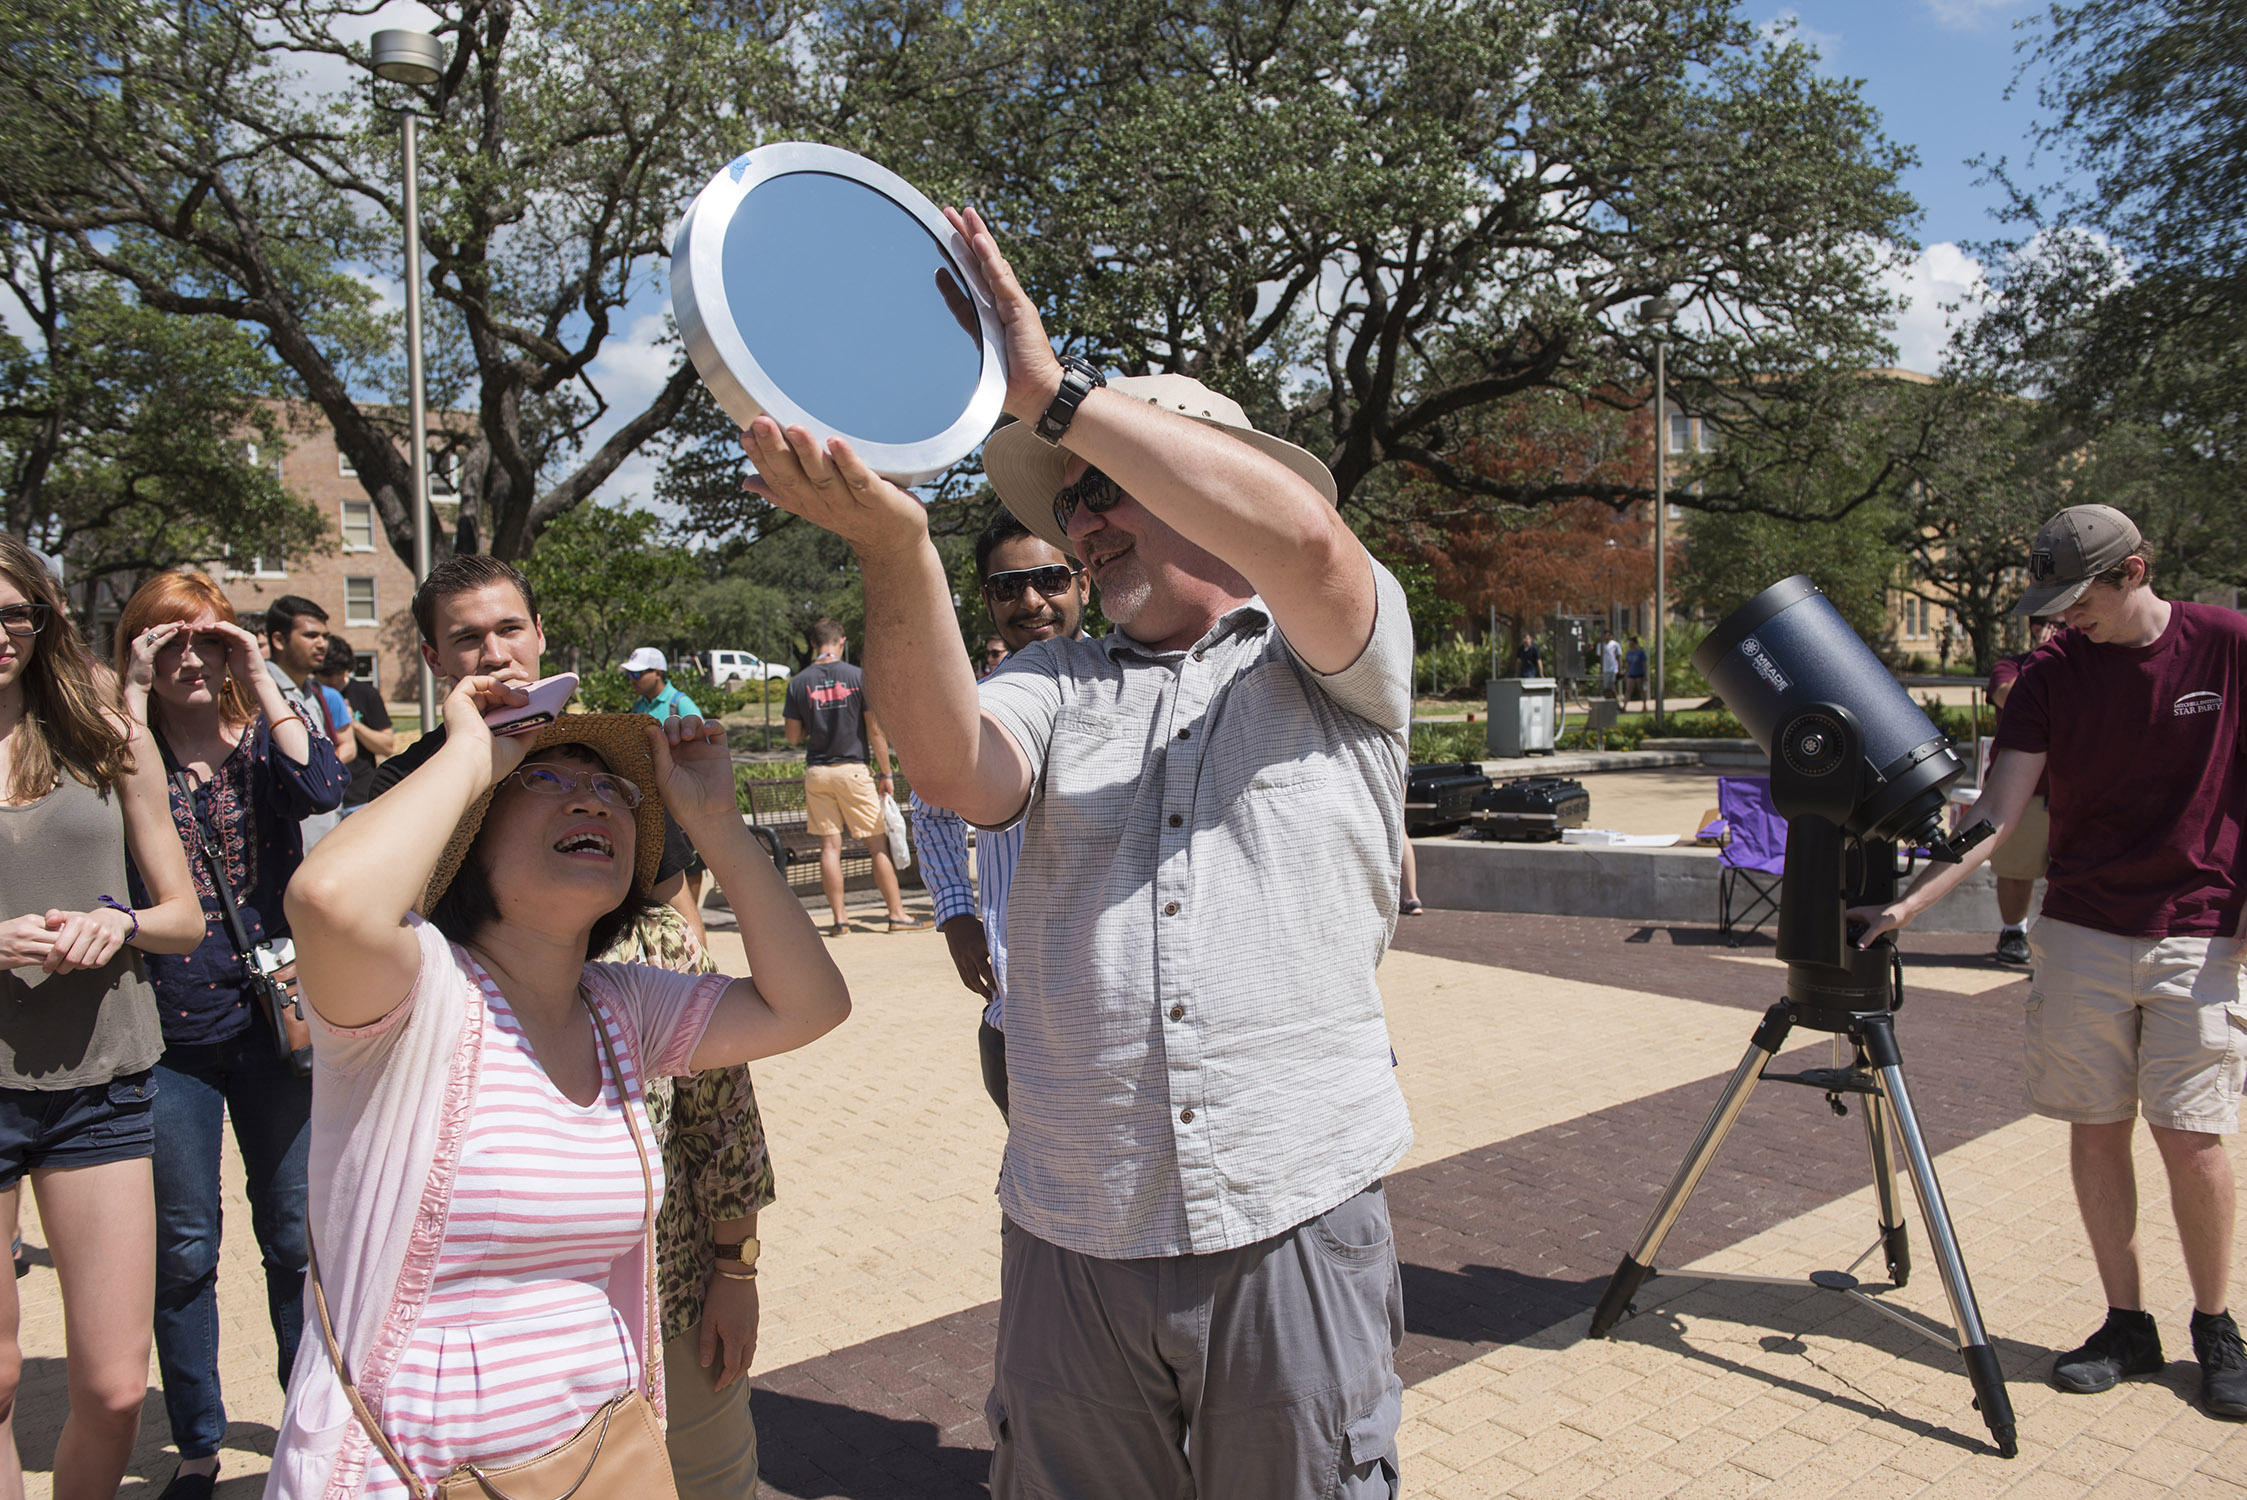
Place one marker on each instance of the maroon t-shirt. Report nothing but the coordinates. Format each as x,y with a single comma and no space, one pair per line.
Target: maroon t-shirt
2008,669
2148,795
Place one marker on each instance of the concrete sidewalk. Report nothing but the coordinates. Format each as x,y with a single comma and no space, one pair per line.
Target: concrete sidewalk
1557,1068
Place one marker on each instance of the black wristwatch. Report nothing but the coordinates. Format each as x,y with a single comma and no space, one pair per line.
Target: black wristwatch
1079,379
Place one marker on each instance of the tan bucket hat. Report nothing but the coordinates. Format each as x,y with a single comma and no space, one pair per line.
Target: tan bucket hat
1026,470
621,742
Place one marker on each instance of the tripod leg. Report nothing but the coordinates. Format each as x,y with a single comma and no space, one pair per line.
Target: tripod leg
1895,1238
1966,1315
1639,1264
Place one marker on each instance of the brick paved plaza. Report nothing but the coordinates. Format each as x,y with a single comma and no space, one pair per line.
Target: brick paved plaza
1556,1069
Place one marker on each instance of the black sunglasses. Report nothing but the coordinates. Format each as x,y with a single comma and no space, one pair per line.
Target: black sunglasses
23,619
1051,580
1093,490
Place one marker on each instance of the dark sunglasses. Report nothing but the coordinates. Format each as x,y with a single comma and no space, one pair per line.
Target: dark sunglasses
1051,580
1093,490
24,619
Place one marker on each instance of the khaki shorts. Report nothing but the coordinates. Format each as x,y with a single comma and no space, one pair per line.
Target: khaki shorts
2120,1025
2028,853
840,797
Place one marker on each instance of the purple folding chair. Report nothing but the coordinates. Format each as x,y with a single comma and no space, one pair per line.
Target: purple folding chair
1747,892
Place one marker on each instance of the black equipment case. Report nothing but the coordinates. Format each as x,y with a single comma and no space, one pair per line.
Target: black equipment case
1437,798
1531,808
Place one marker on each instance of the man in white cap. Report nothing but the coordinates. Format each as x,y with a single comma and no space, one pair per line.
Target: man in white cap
650,671
2133,718
1199,1292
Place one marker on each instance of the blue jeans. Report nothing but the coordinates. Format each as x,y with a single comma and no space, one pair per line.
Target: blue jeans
199,1088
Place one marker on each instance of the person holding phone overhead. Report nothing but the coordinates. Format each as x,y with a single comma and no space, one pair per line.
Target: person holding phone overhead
245,770
484,1195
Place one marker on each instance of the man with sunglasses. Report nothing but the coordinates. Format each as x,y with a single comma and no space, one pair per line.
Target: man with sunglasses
1034,592
2132,723
1198,1286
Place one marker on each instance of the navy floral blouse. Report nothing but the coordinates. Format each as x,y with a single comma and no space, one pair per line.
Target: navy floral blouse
253,802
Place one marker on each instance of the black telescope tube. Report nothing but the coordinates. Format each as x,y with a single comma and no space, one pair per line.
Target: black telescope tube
1789,648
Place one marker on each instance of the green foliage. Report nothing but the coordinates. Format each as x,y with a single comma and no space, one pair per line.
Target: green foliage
607,581
1729,559
132,441
233,161
1458,668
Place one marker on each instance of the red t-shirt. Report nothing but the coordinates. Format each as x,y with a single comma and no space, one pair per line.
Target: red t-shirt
2147,791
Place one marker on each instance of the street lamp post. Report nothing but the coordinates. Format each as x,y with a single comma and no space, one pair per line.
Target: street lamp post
417,60
1657,313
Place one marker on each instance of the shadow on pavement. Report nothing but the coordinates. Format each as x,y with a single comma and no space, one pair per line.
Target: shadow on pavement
823,1450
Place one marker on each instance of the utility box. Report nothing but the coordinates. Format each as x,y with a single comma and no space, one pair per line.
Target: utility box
1521,716
1575,647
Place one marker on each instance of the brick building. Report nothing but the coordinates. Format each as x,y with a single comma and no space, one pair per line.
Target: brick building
358,579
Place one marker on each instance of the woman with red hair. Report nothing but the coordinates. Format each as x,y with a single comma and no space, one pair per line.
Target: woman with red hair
244,770
79,788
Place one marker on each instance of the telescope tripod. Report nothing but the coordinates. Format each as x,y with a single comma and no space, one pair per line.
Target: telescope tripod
1853,994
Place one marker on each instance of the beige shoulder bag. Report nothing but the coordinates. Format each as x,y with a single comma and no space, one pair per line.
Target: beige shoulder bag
617,1455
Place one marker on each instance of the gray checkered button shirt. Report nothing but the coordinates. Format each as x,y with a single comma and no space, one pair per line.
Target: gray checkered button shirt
1197,1057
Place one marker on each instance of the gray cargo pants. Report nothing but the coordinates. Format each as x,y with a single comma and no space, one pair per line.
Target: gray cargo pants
1262,1373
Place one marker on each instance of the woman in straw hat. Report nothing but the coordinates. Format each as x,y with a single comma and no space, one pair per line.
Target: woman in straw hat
480,1197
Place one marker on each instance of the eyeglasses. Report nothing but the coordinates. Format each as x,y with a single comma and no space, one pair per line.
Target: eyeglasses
1052,579
1093,490
24,619
994,653
616,791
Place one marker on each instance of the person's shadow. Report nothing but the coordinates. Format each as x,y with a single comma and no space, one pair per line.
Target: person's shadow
824,1450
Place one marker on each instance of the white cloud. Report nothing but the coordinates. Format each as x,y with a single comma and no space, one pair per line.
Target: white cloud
1787,26
1944,289
1975,15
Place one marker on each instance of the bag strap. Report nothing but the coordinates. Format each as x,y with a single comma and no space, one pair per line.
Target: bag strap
207,846
650,1317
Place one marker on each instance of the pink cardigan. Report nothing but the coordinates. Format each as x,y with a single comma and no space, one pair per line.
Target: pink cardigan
390,1104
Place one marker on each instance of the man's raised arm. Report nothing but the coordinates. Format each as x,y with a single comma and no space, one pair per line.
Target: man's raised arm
914,666
1242,506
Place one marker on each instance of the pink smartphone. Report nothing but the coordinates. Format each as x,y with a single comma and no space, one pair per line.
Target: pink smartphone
547,697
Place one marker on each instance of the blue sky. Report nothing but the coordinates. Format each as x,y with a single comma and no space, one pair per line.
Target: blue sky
1938,71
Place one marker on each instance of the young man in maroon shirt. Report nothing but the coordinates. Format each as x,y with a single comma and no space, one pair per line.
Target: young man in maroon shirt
2135,714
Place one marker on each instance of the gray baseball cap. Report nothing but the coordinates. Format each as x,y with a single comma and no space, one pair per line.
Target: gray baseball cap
2071,550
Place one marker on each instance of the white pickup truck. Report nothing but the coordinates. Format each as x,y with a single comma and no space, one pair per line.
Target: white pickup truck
730,669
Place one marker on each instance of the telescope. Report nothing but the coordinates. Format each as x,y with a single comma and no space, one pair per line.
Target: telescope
1859,772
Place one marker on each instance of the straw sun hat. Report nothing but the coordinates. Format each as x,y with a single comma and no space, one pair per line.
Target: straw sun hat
621,741
1026,470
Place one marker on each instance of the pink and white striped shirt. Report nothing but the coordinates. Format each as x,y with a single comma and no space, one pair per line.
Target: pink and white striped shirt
520,1344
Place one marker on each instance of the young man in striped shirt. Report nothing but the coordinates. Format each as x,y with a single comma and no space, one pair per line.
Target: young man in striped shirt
1034,592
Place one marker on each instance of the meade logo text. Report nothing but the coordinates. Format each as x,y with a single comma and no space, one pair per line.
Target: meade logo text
2203,702
1765,667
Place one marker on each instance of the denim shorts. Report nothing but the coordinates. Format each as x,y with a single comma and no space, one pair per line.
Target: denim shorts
81,1127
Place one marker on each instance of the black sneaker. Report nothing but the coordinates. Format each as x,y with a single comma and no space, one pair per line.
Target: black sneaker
2012,946
2223,1365
2126,1344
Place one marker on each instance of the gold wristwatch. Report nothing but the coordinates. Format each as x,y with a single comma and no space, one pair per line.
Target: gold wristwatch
737,1260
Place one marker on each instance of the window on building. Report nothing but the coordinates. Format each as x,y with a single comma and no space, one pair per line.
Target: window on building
358,526
343,465
268,563
1681,432
441,475
1711,439
359,602
363,667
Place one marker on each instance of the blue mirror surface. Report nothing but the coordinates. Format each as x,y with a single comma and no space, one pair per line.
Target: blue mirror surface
852,308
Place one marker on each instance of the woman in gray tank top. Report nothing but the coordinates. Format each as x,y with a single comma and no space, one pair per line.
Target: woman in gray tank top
79,786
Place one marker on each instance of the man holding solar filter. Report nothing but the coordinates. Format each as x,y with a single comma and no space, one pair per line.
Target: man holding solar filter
2134,715
1199,1290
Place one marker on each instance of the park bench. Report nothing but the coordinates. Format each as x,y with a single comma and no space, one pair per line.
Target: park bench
775,813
